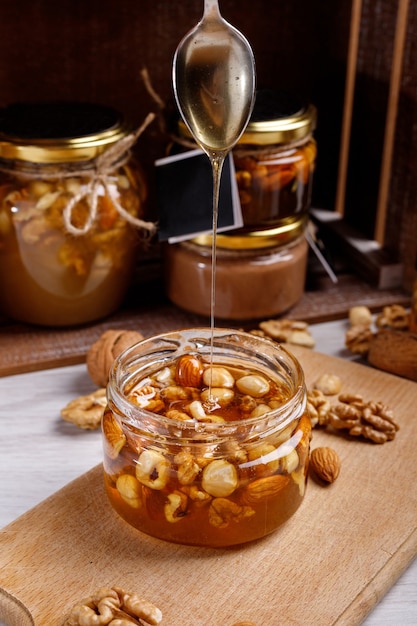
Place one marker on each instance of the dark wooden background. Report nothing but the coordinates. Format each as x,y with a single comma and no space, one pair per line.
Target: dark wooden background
94,50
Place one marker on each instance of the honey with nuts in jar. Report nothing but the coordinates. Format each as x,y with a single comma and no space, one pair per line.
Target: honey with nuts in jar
274,161
203,447
71,205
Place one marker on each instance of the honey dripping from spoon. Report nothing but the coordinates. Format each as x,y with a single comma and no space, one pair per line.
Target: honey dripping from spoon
214,86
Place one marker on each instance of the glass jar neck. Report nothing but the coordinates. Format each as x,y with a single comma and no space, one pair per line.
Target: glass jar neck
58,169
230,348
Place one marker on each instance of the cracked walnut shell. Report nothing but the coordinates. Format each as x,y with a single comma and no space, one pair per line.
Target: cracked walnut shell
103,352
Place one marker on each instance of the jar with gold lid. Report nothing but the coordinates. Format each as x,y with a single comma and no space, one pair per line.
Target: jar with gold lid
71,204
258,274
274,160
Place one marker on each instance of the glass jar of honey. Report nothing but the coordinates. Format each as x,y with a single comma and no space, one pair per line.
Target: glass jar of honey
206,439
71,202
257,275
275,160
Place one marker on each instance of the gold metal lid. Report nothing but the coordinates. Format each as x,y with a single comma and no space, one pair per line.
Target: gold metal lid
286,232
281,130
58,132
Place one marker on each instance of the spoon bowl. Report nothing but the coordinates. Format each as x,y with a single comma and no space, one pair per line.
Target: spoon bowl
214,81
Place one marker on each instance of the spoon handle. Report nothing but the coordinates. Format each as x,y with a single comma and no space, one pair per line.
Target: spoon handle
211,9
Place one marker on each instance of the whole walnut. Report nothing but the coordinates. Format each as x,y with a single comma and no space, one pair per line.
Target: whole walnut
103,352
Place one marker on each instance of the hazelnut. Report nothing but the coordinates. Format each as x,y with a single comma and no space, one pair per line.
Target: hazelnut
360,316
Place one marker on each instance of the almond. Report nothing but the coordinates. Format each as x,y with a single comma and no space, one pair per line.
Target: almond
263,488
325,463
189,371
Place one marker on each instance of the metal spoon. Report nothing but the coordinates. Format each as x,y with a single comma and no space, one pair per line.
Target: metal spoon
214,85
214,81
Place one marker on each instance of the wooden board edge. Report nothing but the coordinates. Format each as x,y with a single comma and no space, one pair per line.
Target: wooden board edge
13,611
381,583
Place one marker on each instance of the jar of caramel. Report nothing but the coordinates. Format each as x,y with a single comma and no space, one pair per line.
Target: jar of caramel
206,439
71,203
258,274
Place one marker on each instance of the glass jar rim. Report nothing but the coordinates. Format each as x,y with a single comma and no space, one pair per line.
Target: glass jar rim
163,349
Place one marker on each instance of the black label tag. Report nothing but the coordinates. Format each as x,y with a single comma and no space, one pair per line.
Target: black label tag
185,196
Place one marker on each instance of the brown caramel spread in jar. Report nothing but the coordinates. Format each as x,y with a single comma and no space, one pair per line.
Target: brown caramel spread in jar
206,451
260,280
68,217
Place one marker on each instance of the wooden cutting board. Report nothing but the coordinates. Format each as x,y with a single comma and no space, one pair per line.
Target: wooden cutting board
330,564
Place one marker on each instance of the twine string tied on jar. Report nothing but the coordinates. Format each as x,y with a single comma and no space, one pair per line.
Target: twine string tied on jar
104,165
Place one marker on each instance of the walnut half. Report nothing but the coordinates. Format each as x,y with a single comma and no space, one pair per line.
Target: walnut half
354,415
86,411
393,316
113,607
358,339
284,330
371,420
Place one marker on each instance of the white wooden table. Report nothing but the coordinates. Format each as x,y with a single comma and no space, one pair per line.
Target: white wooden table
40,453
